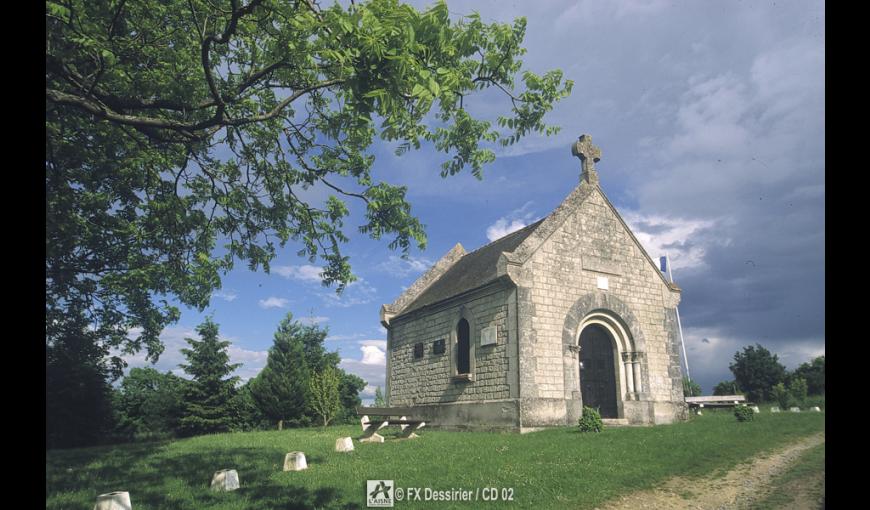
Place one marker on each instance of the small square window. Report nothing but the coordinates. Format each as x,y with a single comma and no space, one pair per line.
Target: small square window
438,346
418,350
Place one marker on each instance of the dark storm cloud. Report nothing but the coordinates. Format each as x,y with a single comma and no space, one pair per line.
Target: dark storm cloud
710,117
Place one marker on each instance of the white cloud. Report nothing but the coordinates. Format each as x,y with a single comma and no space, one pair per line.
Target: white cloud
372,365
305,273
340,338
675,237
252,361
398,266
513,221
372,355
359,292
356,293
503,227
380,344
173,339
273,302
228,295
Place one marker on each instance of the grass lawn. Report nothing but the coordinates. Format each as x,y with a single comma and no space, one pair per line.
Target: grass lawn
549,469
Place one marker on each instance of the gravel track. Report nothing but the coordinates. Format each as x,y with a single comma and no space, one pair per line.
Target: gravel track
737,489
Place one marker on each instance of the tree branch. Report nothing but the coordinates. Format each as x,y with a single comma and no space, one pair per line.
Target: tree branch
187,129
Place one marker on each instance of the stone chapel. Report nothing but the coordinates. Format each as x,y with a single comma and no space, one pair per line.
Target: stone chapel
522,333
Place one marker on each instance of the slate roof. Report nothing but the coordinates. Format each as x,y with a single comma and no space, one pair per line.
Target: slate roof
473,270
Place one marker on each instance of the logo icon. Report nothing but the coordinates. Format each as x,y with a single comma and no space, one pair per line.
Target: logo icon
379,493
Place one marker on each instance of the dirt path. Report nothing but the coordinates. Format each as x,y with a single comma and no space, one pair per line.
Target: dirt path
736,489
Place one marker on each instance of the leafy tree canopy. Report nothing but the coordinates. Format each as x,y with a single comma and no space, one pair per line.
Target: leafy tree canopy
757,371
149,402
325,398
727,388
282,389
814,375
78,396
177,125
349,390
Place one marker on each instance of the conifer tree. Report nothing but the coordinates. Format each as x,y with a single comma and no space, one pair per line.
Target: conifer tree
280,388
379,398
207,398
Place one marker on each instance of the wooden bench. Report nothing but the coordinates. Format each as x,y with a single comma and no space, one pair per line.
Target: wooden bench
385,416
716,401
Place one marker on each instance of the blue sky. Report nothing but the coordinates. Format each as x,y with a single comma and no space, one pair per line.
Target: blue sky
711,120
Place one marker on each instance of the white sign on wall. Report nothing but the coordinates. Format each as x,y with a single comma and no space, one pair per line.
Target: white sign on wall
488,336
603,284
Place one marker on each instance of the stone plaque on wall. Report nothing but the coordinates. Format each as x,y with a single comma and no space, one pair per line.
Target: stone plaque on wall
488,336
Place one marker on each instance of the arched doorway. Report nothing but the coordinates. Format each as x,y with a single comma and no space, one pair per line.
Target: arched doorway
598,370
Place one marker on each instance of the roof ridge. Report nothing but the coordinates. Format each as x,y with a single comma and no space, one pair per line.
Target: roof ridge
517,231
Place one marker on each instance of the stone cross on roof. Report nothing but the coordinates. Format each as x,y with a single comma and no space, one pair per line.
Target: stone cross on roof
589,155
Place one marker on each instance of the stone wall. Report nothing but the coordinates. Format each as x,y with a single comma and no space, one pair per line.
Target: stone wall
593,243
549,284
429,380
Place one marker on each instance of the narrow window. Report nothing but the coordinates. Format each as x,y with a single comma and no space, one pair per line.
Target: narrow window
463,348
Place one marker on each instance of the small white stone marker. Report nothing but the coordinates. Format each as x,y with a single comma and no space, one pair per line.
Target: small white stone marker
344,444
756,410
816,409
295,461
774,409
118,500
795,409
225,480
700,413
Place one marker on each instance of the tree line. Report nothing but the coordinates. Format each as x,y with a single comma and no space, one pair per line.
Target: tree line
760,376
301,385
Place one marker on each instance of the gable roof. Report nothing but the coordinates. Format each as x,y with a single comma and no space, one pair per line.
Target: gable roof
459,272
469,272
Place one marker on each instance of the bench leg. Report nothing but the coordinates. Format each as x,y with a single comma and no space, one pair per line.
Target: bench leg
370,431
408,430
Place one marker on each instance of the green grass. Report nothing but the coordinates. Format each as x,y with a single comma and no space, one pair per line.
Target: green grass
548,469
807,474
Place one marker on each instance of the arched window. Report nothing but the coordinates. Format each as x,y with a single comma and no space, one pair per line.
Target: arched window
463,347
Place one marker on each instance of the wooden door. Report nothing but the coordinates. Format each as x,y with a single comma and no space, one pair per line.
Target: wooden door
597,371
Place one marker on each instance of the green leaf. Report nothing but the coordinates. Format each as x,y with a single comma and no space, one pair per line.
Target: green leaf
134,214
418,91
58,10
433,86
